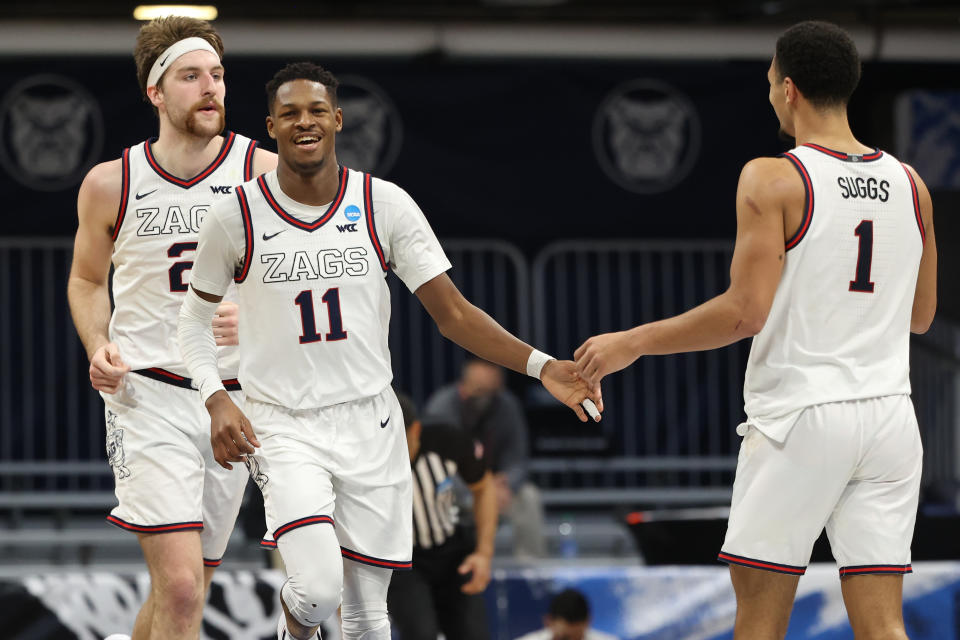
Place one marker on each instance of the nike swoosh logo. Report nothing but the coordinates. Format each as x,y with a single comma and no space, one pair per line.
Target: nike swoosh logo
144,195
273,235
164,61
383,423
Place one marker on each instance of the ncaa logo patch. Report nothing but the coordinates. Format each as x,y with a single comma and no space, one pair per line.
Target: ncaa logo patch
51,132
646,136
352,213
372,131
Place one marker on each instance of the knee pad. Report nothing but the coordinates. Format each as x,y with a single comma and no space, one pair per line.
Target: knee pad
310,602
313,588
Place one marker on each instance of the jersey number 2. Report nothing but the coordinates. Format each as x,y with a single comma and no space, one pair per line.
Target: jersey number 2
864,232
175,273
332,299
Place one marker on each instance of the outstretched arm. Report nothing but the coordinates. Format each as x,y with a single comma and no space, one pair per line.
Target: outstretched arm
478,333
767,186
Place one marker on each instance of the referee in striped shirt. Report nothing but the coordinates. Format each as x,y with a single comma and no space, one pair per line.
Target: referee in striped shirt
451,564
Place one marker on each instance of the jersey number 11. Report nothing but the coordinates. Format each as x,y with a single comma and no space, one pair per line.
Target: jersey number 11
331,298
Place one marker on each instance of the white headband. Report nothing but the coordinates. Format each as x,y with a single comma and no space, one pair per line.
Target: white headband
174,51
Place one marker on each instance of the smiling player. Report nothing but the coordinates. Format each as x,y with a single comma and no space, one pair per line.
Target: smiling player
332,459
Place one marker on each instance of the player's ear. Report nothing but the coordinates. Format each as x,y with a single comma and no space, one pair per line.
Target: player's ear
155,96
270,128
790,90
339,116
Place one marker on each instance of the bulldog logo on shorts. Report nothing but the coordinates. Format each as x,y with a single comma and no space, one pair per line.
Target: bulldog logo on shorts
254,468
115,455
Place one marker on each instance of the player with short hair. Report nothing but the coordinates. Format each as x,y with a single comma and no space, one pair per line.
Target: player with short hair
142,212
310,246
567,618
835,264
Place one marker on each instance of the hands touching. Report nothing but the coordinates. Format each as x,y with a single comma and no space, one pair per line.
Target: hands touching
231,434
561,379
604,354
107,369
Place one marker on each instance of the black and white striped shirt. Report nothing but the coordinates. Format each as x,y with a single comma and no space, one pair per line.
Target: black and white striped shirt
444,453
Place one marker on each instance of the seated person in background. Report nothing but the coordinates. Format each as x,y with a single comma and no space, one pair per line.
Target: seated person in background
443,591
568,619
491,415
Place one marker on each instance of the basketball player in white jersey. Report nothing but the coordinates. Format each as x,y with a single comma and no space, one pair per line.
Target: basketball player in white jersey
310,246
143,213
835,264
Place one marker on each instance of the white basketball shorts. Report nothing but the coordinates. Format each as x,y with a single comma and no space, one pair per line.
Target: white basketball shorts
158,443
345,466
852,467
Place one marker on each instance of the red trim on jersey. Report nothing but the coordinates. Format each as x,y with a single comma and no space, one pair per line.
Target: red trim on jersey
867,157
306,226
268,544
186,184
247,234
124,193
248,161
760,564
808,202
916,204
212,563
302,522
167,374
898,569
155,528
371,225
168,377
375,562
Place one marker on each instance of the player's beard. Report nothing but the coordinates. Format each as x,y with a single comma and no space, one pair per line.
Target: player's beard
192,121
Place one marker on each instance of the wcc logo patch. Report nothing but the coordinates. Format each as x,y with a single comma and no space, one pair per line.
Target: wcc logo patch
115,454
51,132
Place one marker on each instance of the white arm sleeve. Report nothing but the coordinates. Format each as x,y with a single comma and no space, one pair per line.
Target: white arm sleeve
198,347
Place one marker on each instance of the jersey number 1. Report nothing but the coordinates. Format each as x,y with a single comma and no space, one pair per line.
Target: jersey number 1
332,299
864,232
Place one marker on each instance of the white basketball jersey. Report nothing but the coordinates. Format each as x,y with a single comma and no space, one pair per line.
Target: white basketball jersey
314,301
155,237
839,327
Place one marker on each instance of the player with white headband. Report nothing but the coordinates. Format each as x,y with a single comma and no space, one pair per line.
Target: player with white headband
142,213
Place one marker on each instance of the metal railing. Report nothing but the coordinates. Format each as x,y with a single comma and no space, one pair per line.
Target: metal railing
935,381
681,410
667,436
49,415
491,274
51,421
